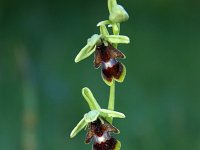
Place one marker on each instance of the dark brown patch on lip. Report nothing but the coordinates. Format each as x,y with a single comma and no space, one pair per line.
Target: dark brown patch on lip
108,145
114,71
95,128
98,129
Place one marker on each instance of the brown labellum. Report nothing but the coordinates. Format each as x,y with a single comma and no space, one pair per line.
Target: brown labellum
99,133
106,57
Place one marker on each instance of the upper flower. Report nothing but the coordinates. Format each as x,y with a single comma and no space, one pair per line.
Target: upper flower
105,55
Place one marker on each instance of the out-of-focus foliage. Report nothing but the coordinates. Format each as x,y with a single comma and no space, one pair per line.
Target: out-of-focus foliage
40,85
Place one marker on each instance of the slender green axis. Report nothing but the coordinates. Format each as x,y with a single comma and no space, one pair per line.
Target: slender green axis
104,46
111,103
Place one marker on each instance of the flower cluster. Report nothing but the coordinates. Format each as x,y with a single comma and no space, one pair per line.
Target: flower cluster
98,121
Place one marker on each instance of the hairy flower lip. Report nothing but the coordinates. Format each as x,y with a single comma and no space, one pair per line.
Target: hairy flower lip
99,131
114,71
110,144
111,68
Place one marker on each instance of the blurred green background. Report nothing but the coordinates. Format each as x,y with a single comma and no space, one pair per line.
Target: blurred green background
40,85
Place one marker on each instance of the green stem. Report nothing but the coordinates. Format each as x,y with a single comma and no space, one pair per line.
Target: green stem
111,103
111,3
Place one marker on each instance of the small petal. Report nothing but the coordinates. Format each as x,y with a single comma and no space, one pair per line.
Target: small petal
110,128
91,116
117,39
87,94
110,113
115,53
103,30
81,125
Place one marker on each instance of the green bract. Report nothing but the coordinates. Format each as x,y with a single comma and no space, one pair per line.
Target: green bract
89,48
96,112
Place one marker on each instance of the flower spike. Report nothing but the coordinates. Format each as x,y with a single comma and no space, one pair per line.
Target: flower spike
98,121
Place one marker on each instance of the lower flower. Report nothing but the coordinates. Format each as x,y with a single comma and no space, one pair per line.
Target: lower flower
99,132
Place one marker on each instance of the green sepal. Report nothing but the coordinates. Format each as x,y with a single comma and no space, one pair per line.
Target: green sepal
89,48
78,128
87,94
85,52
123,75
118,14
111,114
117,39
118,145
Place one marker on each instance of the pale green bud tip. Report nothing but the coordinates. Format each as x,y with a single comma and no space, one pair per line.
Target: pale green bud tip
118,14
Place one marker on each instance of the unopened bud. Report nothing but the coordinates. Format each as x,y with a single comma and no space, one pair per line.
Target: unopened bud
118,14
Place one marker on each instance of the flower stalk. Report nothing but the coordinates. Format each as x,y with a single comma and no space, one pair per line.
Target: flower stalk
111,103
98,121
